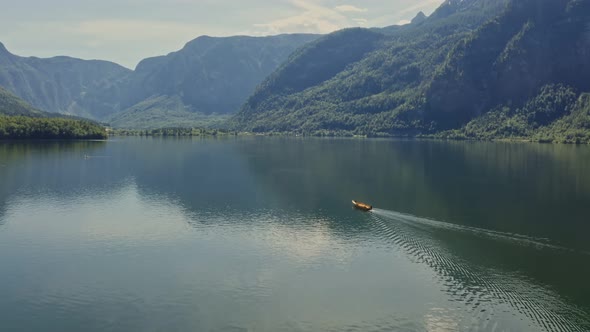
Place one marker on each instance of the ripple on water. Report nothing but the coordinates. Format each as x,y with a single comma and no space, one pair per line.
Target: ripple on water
481,291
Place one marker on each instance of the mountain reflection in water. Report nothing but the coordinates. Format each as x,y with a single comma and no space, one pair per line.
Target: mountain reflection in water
258,234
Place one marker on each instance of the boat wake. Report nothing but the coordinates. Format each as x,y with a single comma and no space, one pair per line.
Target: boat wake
504,236
486,292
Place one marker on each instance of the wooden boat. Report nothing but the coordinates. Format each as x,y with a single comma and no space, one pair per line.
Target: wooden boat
362,206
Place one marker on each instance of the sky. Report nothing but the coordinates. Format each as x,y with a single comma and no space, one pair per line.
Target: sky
126,31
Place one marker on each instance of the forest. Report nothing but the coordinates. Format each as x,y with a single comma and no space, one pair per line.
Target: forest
20,120
23,127
478,69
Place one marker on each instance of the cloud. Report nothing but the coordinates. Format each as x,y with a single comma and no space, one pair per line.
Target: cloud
418,6
311,17
360,21
134,31
300,23
138,30
323,16
119,40
350,9
406,12
403,22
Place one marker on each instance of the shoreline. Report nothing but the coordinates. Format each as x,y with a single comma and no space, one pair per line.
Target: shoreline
195,132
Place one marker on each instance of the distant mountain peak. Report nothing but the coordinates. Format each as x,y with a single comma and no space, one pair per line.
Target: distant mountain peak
420,17
3,49
5,55
454,2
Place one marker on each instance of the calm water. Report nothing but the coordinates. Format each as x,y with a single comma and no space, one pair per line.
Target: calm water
257,234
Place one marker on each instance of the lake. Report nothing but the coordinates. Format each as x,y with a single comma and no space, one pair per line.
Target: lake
258,234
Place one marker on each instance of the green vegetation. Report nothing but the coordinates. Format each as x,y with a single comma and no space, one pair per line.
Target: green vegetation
479,69
163,112
12,105
556,114
572,128
19,120
173,132
474,69
379,92
209,76
62,84
22,127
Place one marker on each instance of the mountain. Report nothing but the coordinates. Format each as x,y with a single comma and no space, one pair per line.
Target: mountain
12,105
208,76
472,69
60,84
468,59
366,92
214,75
419,18
19,120
163,112
534,43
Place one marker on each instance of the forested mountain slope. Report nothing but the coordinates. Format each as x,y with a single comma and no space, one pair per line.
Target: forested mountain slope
60,84
12,105
213,75
209,75
468,58
19,120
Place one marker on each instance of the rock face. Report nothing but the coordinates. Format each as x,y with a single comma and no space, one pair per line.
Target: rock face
467,59
421,17
12,105
59,84
534,43
209,75
479,68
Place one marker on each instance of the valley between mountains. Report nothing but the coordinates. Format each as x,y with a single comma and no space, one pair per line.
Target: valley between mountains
473,69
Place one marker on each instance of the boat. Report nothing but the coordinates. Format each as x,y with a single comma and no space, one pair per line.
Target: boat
362,206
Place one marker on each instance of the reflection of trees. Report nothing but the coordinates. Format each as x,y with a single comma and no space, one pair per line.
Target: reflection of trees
486,274
50,164
518,188
493,185
201,174
490,185
318,174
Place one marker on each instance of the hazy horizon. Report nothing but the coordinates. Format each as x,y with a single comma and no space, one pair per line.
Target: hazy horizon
127,31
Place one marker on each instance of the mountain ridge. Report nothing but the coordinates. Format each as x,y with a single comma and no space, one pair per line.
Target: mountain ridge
470,65
419,18
20,120
460,63
57,84
210,75
12,105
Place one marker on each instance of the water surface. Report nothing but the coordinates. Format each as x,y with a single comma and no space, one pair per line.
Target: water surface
257,234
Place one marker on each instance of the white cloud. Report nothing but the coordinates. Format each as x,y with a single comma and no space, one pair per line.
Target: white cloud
350,9
142,28
300,23
360,21
123,41
310,18
419,6
405,12
403,22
